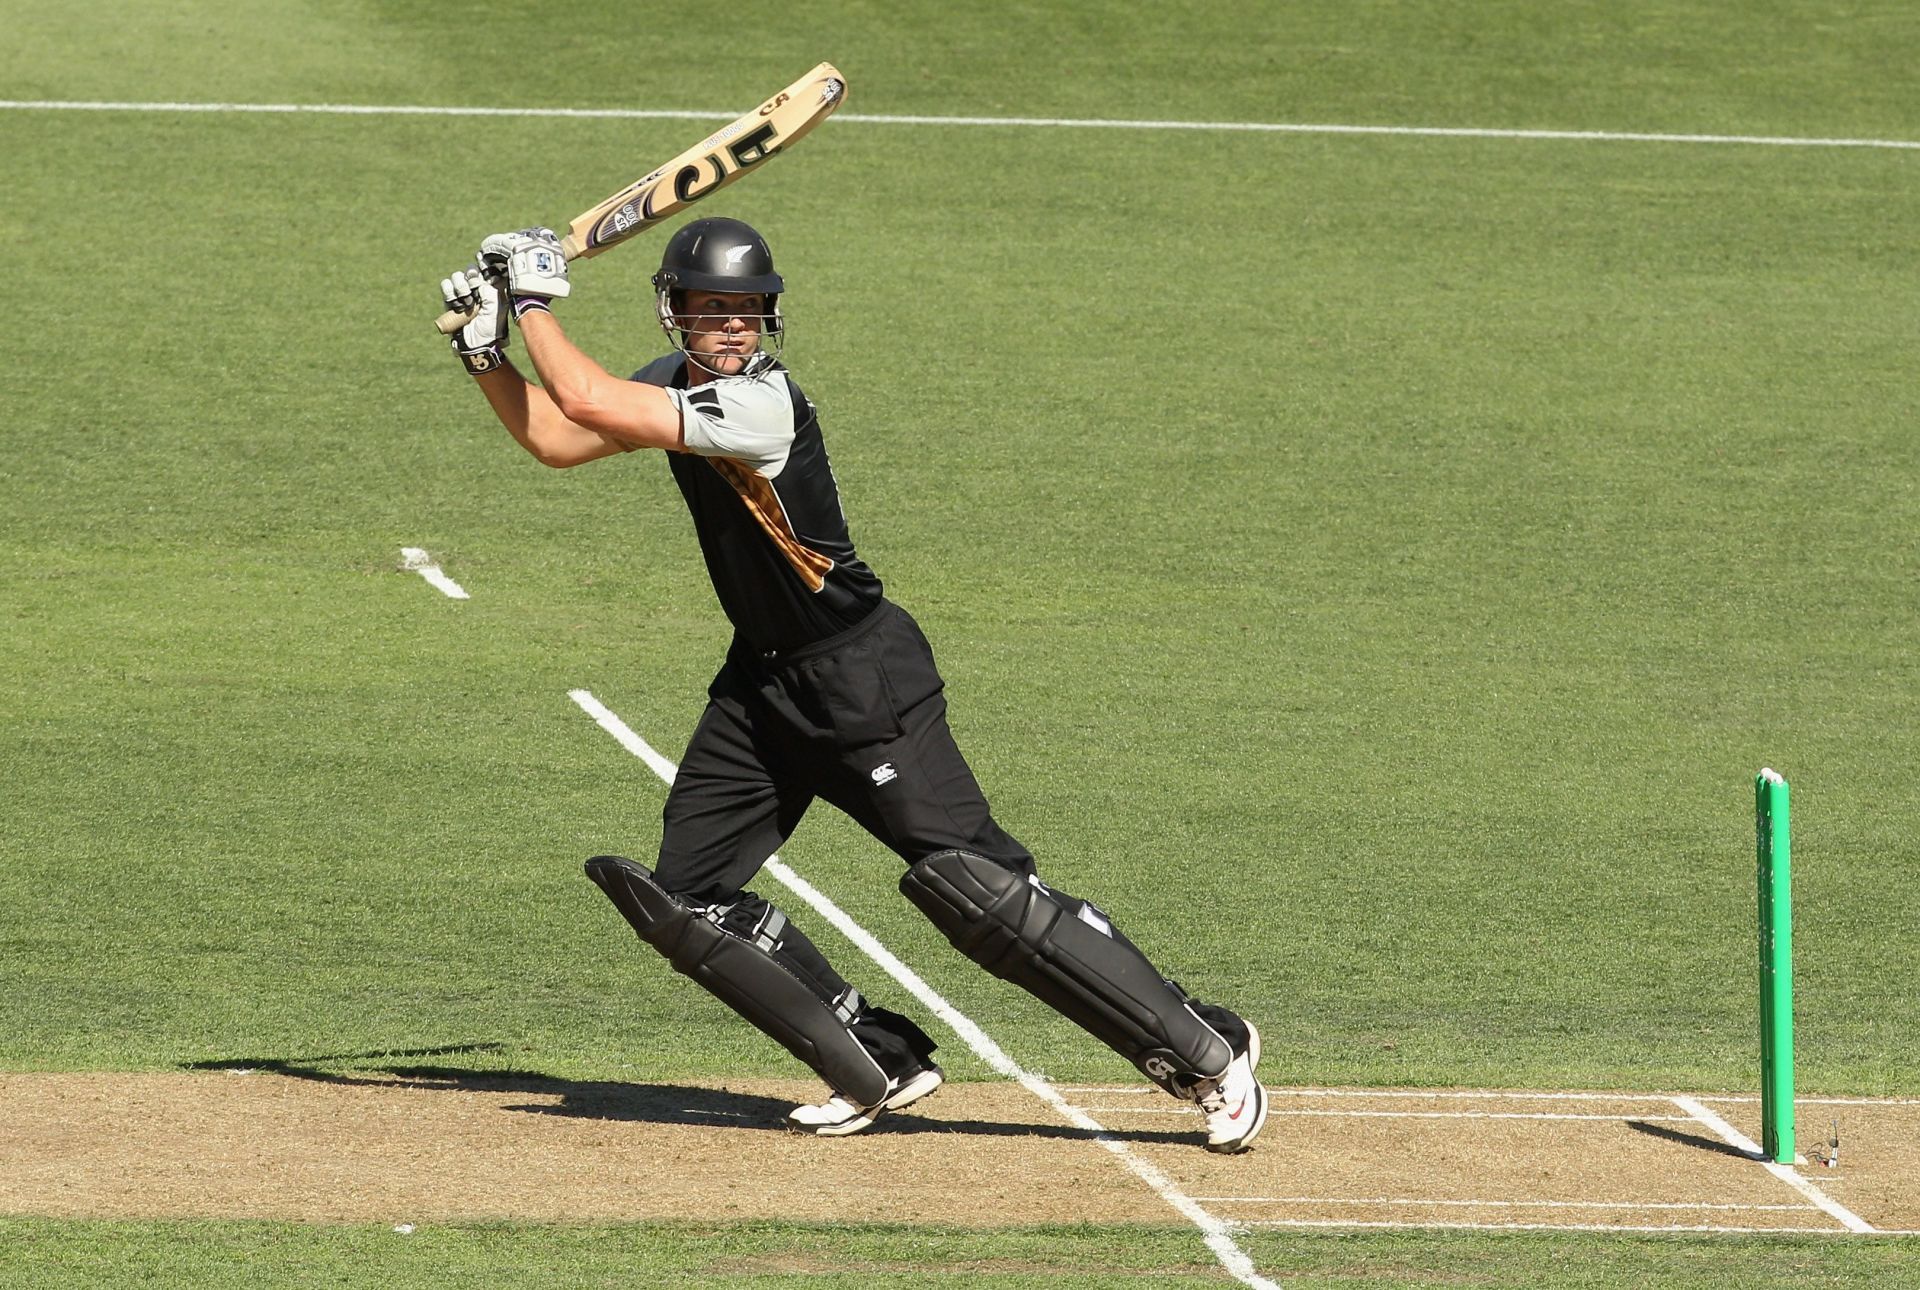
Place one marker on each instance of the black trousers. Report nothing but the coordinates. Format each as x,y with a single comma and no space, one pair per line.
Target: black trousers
858,720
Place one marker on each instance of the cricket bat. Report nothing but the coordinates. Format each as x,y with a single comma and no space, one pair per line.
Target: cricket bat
704,169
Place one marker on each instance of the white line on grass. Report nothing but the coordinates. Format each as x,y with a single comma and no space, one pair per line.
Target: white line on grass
1406,1115
1471,1095
1026,122
1538,1227
1231,1256
1420,131
1819,1101
1415,1093
1517,1095
418,561
1785,1173
1494,1204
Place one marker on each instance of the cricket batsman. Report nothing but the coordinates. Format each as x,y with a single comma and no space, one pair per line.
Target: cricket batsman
828,691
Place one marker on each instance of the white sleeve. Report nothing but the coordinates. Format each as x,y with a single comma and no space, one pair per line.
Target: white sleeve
748,419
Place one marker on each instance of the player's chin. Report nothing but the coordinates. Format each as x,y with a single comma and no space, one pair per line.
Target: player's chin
730,363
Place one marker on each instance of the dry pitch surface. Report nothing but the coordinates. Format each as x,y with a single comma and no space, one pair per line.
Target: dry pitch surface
422,1148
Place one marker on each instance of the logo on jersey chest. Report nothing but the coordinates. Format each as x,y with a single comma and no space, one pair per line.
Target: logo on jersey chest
884,773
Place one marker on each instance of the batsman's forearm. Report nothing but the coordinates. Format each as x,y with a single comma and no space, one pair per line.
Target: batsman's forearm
536,423
587,395
577,384
512,399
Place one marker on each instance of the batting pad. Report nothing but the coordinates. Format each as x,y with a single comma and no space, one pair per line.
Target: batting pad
745,975
1023,933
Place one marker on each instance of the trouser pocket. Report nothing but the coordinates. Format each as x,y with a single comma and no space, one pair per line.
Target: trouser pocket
854,694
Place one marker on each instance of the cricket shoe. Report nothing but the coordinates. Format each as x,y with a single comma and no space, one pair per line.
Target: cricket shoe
1235,1103
836,1117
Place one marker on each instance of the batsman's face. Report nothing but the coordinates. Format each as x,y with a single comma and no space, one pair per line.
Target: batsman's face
723,328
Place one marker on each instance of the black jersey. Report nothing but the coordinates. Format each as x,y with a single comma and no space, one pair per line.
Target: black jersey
766,507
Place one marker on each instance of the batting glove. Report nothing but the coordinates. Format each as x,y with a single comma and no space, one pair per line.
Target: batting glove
530,264
482,343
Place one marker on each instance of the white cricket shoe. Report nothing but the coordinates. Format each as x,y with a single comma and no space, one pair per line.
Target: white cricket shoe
1236,1104
836,1117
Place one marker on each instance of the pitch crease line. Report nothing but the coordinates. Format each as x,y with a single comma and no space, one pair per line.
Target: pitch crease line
1785,1173
1020,122
1472,1095
1410,1115
1215,1230
1817,1101
1538,1227
1495,1204
1417,1094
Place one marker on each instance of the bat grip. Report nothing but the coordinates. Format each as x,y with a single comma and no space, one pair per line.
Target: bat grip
453,320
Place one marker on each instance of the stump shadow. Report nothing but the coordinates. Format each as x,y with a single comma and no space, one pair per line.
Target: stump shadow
1686,1139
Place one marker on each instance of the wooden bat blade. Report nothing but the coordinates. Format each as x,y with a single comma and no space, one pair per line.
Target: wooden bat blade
710,165
700,171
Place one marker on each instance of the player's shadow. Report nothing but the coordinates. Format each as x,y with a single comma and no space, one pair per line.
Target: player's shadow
609,1099
1688,1139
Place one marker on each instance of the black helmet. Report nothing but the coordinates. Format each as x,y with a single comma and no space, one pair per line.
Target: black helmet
717,255
720,255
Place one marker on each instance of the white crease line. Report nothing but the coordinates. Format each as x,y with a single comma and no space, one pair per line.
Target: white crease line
1215,1230
1537,1227
1819,1101
1029,122
1494,1204
1474,1095
1471,1095
1461,1094
1785,1173
418,561
1273,1110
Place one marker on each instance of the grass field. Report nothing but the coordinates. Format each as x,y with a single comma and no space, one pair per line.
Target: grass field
1372,567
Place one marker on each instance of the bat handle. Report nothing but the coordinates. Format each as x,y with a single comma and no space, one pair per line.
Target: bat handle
453,320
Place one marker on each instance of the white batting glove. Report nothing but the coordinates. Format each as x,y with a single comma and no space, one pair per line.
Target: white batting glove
482,343
529,264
